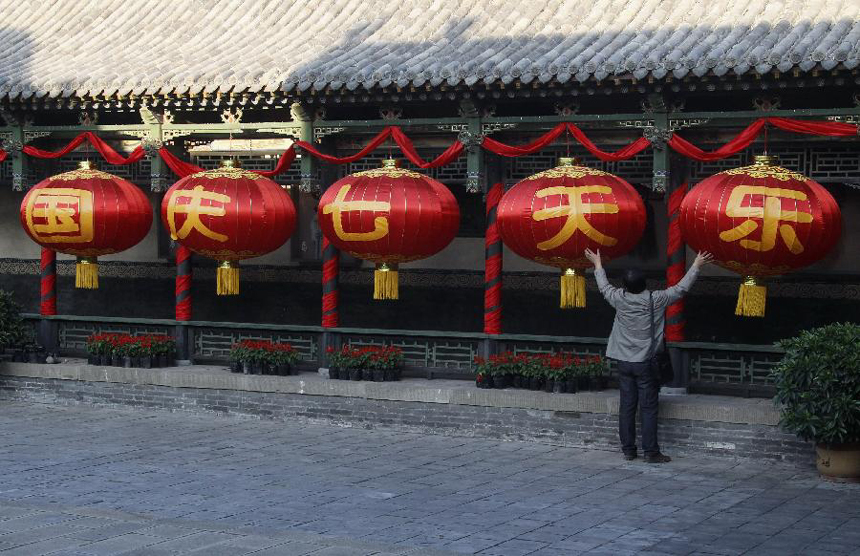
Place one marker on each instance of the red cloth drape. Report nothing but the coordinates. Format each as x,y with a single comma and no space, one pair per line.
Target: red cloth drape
403,142
408,149
541,142
179,167
743,139
831,129
675,254
48,283
331,294
284,162
369,148
110,155
493,264
184,277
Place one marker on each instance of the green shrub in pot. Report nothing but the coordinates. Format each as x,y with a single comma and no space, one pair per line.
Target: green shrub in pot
818,390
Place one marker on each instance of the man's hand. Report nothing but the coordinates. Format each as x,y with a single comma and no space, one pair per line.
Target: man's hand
702,259
594,258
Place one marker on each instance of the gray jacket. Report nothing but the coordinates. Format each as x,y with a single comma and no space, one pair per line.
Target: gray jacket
630,339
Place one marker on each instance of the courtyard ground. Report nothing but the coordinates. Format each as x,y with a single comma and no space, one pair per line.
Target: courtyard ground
81,480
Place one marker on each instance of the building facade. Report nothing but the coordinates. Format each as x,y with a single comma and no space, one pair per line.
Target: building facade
210,80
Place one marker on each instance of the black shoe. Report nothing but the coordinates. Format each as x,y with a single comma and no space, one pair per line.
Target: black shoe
630,457
657,458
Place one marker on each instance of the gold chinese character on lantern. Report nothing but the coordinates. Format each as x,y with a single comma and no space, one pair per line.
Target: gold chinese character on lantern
339,206
773,218
60,215
193,209
574,211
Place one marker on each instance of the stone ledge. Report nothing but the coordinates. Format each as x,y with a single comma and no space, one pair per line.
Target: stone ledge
721,409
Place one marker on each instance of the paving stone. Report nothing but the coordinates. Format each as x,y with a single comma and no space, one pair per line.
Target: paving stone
116,545
156,483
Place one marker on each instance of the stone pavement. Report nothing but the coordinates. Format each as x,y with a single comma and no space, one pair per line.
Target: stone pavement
80,480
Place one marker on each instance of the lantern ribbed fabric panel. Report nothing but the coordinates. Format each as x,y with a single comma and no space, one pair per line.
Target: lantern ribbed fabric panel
388,216
543,218
760,220
86,213
228,214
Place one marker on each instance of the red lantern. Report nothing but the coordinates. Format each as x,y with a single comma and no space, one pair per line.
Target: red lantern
86,213
388,216
760,220
552,217
228,214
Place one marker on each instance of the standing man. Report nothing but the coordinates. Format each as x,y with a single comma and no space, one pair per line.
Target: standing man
632,346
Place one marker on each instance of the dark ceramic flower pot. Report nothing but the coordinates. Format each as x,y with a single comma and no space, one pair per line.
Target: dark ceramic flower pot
35,357
583,383
126,361
598,383
501,381
235,367
247,367
535,383
559,386
379,375
333,373
146,362
355,374
571,386
105,360
548,385
92,359
162,360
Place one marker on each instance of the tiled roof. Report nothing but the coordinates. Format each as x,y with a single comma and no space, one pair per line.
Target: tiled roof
89,47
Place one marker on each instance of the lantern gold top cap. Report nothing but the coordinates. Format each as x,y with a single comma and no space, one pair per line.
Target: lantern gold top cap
765,159
390,163
568,161
86,165
231,163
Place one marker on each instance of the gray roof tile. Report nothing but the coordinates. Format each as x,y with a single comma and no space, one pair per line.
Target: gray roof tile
80,47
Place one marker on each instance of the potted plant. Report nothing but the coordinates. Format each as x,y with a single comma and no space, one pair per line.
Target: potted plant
346,361
13,330
95,346
391,361
818,391
333,369
581,370
116,353
240,352
595,368
129,349
284,357
482,372
534,370
146,346
163,350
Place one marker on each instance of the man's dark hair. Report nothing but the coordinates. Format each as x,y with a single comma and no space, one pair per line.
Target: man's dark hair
634,281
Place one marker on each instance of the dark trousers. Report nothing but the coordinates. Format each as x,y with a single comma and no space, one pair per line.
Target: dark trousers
638,386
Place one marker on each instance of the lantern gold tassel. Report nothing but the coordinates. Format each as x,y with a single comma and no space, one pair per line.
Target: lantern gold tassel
87,273
228,278
385,282
572,289
751,299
